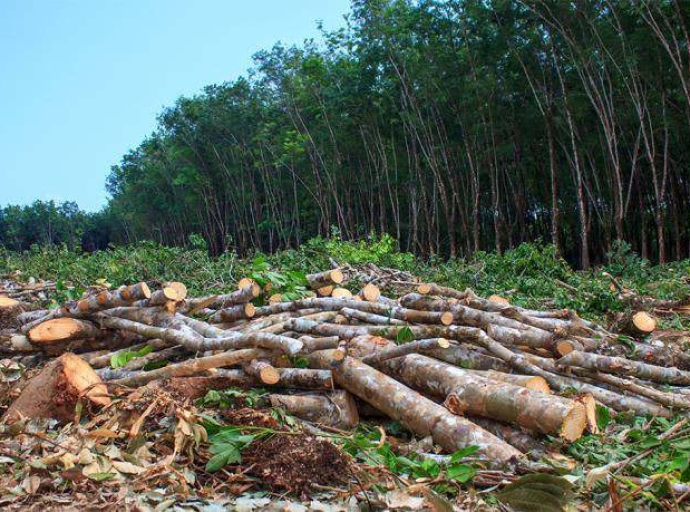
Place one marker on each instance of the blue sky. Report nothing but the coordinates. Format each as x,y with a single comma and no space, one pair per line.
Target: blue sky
81,81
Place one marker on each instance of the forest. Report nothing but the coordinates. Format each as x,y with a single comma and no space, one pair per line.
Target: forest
455,126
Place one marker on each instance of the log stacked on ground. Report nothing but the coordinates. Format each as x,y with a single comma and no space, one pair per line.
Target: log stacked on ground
446,363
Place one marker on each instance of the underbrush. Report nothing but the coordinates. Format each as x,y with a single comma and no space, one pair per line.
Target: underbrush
531,275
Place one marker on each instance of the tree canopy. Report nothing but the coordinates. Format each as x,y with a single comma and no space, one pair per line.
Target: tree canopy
454,125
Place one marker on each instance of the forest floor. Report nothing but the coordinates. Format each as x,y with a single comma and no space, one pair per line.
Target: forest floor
155,449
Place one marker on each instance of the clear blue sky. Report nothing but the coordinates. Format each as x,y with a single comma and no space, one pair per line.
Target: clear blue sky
81,81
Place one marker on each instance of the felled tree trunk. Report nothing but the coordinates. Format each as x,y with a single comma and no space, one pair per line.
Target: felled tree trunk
336,409
233,313
533,382
637,324
55,391
467,392
323,279
469,357
419,414
441,291
621,366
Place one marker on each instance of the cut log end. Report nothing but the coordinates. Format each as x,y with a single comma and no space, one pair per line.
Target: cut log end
644,322
275,299
424,289
269,375
538,384
447,318
8,302
574,423
325,291
55,391
341,293
590,406
337,276
564,347
58,329
245,282
370,293
498,299
443,343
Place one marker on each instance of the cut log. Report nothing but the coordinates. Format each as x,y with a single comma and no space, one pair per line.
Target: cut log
614,400
466,392
61,330
533,382
323,279
526,443
159,298
441,291
370,292
314,344
467,356
263,371
192,367
336,409
394,351
325,291
8,302
638,324
621,366
275,299
341,293
420,415
56,390
499,300
233,313
370,318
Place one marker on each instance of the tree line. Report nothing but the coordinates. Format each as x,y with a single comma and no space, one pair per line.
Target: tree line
454,125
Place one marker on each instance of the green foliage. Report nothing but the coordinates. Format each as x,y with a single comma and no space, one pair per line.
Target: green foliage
232,397
227,443
122,358
366,446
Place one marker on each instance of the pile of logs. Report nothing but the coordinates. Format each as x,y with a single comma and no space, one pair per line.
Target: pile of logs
15,294
447,364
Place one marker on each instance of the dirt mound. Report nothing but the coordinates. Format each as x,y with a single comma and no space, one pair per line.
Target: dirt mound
250,417
293,463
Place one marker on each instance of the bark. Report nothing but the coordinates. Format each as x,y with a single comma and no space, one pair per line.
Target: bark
614,400
532,382
420,415
626,367
326,278
56,390
186,336
441,291
233,313
263,371
526,443
390,352
336,409
192,367
466,392
469,357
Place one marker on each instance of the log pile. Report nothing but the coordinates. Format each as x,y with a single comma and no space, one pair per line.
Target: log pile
445,363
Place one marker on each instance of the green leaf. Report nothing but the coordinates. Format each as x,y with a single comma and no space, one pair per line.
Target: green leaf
405,335
216,462
461,454
537,493
461,472
603,417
